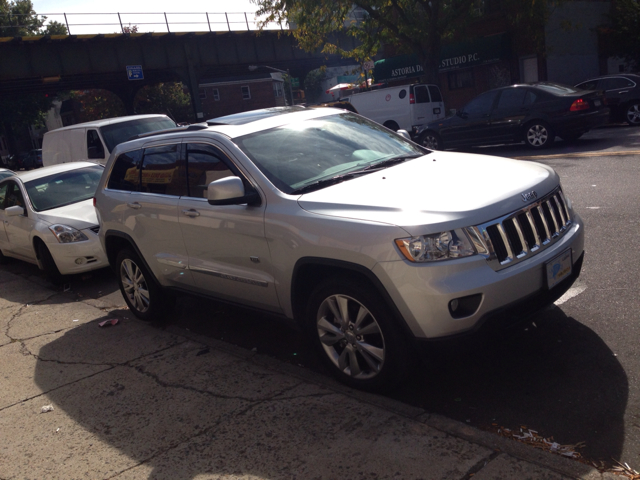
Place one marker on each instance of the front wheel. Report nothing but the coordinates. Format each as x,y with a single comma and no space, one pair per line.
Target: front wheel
632,114
49,264
143,296
538,135
430,140
355,335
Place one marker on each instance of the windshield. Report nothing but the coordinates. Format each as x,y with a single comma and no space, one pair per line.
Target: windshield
116,133
299,154
63,188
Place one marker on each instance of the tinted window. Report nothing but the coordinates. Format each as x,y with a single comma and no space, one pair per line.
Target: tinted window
480,105
435,93
205,164
403,93
125,174
531,97
421,94
63,188
162,171
93,141
616,83
590,85
116,133
512,98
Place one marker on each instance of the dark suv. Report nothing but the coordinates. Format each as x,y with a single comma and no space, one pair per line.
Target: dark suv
622,93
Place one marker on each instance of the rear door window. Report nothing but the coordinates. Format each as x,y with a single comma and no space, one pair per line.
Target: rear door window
436,96
163,172
125,174
617,83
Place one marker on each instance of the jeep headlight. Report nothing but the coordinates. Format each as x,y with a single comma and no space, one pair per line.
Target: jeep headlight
436,247
66,234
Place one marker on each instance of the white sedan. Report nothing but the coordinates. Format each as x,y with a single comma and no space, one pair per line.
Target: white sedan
48,219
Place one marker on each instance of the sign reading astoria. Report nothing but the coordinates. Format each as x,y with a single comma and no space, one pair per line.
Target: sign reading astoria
480,51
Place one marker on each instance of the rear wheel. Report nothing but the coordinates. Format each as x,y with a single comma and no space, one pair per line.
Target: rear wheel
538,134
391,125
355,335
143,296
49,264
3,260
430,140
632,114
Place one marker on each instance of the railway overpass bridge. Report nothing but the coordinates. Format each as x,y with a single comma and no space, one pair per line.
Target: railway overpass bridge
52,64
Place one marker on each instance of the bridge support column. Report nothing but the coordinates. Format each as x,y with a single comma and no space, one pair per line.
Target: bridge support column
128,95
194,85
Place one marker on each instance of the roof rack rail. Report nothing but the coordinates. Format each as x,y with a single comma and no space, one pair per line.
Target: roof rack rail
188,128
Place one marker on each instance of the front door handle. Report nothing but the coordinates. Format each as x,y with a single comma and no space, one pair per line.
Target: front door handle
134,205
191,213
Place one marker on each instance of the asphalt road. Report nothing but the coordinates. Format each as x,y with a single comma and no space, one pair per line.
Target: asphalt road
573,374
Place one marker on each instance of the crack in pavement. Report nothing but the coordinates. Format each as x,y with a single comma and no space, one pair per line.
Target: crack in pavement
480,465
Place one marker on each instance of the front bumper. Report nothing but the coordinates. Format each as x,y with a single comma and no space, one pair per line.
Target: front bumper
90,253
422,293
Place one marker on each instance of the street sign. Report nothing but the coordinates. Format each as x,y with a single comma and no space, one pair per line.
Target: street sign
368,65
295,82
134,72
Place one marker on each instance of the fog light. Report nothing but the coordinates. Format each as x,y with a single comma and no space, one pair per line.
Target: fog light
465,306
80,260
453,305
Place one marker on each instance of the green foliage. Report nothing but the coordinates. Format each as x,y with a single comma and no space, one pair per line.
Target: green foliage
168,98
313,85
96,104
19,19
25,110
621,36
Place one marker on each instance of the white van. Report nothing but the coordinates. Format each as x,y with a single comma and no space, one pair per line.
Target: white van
405,107
94,141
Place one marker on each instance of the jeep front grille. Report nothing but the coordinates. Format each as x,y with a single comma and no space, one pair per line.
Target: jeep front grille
515,237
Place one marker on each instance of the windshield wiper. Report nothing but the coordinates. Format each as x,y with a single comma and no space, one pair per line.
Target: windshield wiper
391,161
326,182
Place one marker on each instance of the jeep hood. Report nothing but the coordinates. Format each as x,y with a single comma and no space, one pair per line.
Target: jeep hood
435,192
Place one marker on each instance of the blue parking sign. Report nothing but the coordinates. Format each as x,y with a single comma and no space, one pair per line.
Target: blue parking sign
134,72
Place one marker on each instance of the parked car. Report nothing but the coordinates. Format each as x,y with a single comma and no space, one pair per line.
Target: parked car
14,161
94,141
622,93
368,240
5,172
533,113
49,219
33,159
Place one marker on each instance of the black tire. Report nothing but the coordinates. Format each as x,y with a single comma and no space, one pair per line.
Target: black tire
3,260
144,297
49,264
430,140
632,113
367,352
538,135
572,137
391,125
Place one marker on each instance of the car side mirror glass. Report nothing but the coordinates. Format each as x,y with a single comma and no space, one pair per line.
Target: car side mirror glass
95,153
14,211
231,191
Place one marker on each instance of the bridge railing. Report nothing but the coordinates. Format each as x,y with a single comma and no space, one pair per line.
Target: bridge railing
93,23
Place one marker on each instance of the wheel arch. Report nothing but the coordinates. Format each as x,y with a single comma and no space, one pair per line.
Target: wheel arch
308,272
115,241
391,125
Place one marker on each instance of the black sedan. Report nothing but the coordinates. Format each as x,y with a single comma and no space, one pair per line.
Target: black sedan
533,113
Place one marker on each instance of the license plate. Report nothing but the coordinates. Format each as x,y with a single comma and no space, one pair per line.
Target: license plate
596,103
558,269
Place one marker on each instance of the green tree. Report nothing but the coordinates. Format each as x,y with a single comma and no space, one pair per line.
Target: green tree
97,104
313,84
168,98
620,37
19,19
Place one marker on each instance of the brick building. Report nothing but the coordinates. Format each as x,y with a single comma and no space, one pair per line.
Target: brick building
224,96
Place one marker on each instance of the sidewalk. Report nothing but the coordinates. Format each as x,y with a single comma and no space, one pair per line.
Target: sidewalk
132,401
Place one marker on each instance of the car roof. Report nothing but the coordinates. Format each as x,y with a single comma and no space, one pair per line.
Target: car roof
53,169
108,121
243,118
613,75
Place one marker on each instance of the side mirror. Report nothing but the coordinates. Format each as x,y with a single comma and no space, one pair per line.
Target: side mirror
14,211
230,191
404,133
462,114
95,153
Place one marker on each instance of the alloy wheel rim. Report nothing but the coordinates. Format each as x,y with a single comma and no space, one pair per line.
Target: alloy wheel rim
351,337
134,285
633,114
430,142
537,135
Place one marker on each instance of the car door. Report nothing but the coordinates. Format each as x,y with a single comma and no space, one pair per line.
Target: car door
615,90
472,124
509,113
228,252
150,215
18,228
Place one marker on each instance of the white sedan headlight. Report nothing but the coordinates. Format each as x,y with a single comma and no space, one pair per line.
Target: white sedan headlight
66,234
436,247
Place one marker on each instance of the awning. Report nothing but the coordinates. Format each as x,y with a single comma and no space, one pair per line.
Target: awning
480,51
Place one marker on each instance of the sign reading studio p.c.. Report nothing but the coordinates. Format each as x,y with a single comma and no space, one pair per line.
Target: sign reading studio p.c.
460,61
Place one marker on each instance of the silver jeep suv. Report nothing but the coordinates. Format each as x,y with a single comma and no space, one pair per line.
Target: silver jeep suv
369,241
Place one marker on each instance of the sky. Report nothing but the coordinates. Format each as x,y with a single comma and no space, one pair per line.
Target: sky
147,14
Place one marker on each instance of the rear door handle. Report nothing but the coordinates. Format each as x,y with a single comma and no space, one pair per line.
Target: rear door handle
134,205
191,213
